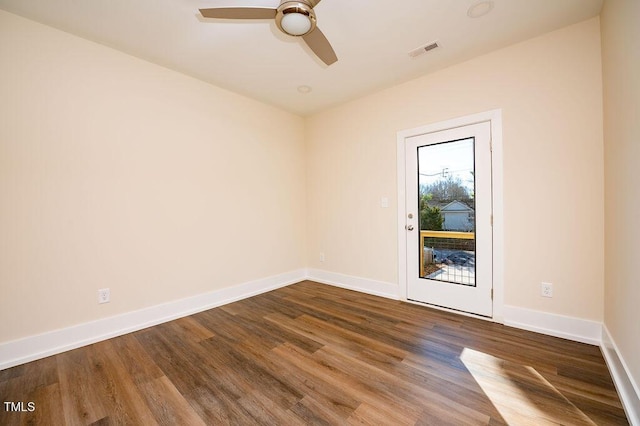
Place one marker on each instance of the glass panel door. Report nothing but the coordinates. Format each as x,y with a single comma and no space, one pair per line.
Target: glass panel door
449,236
446,176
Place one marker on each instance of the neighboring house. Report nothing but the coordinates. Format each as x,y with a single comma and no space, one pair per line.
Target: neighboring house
457,217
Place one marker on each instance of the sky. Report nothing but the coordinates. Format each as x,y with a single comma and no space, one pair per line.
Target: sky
438,161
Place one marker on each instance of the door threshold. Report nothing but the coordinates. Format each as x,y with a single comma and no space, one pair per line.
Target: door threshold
452,311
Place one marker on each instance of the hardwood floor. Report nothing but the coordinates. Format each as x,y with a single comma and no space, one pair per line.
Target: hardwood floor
315,354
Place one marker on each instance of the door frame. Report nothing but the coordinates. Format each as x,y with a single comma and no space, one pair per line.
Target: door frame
494,117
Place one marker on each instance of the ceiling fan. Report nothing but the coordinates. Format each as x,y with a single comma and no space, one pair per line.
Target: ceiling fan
294,18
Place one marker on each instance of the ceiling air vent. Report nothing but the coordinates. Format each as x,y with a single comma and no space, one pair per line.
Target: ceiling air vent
423,49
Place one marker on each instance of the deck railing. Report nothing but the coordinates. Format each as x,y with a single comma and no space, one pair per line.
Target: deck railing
441,234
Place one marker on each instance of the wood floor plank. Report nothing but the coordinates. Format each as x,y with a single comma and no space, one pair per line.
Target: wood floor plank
329,403
115,387
457,386
266,411
256,377
326,307
567,385
395,387
140,366
169,407
192,329
81,403
316,354
191,367
218,408
47,411
325,372
320,413
36,383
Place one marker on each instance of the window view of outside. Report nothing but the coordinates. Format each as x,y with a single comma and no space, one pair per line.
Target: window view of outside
447,211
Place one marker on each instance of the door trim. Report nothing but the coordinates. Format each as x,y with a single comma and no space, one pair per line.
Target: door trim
495,119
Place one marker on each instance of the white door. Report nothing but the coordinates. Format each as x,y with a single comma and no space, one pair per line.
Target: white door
448,223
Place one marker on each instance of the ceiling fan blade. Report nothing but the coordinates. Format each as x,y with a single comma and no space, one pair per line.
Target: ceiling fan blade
239,12
320,46
313,3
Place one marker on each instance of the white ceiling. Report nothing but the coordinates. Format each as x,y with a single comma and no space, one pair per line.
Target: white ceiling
372,39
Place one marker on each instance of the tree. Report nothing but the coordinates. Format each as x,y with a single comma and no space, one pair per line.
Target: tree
447,189
430,216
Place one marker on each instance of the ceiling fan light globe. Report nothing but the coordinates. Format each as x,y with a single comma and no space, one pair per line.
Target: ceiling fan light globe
296,24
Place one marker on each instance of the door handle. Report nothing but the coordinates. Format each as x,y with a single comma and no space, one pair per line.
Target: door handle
409,227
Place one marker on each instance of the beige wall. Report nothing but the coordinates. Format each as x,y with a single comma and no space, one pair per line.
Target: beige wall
118,173
621,72
550,91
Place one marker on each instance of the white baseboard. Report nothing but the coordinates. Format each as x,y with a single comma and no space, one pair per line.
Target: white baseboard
571,328
627,388
54,342
363,285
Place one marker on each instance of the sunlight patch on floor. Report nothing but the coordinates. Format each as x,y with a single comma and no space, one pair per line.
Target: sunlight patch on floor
519,393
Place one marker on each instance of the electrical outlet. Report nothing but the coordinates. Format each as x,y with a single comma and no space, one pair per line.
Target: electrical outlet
546,289
321,256
104,295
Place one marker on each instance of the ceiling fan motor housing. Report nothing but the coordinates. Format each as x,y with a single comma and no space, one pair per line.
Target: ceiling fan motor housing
300,9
